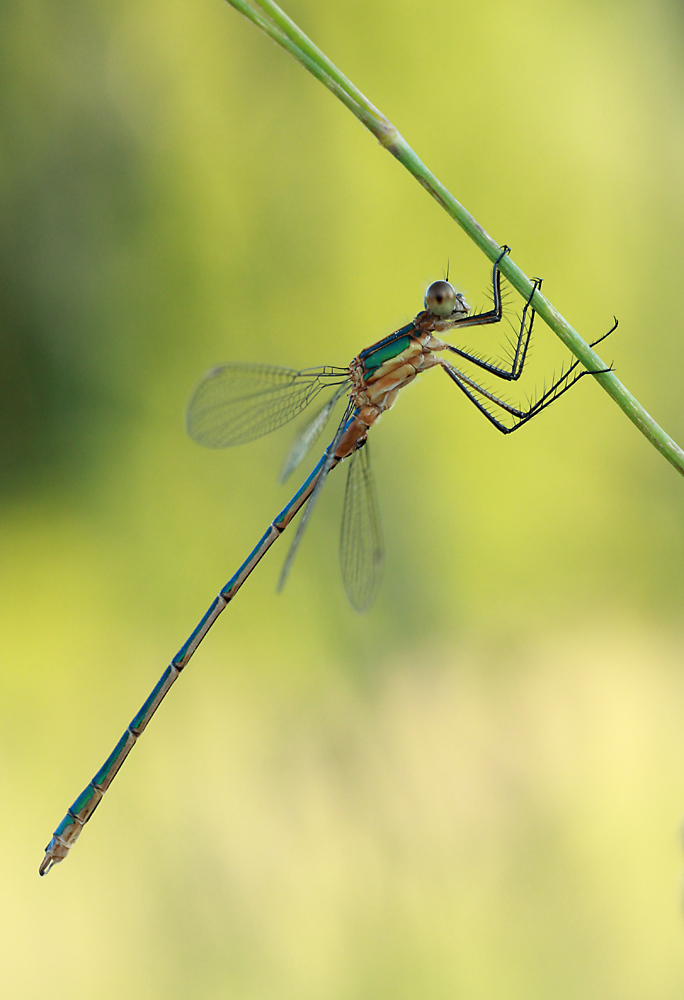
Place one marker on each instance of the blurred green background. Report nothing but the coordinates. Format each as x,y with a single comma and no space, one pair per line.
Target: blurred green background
474,791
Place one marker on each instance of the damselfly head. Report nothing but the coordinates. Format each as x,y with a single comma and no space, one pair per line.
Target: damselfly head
441,299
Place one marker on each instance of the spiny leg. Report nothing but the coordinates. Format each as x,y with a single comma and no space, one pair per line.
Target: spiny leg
494,316
469,386
522,344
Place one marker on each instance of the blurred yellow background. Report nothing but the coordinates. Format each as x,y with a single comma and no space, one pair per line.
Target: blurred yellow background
475,791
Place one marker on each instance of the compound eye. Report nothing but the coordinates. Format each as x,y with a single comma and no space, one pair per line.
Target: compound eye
440,298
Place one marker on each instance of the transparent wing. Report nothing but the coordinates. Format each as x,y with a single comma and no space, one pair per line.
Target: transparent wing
330,461
310,434
361,555
236,403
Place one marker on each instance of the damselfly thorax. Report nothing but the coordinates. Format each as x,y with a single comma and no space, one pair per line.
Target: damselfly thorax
381,371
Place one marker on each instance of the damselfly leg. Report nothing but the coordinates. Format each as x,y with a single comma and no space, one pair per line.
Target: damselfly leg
477,394
495,315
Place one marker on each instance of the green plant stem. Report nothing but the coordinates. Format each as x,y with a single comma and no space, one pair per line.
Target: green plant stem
287,34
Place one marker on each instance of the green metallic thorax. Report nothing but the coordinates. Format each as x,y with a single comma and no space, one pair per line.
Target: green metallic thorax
376,355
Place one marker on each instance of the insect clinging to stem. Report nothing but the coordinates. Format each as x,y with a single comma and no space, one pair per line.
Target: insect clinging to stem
236,403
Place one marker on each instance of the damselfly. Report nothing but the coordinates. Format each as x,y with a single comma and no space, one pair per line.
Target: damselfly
236,403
